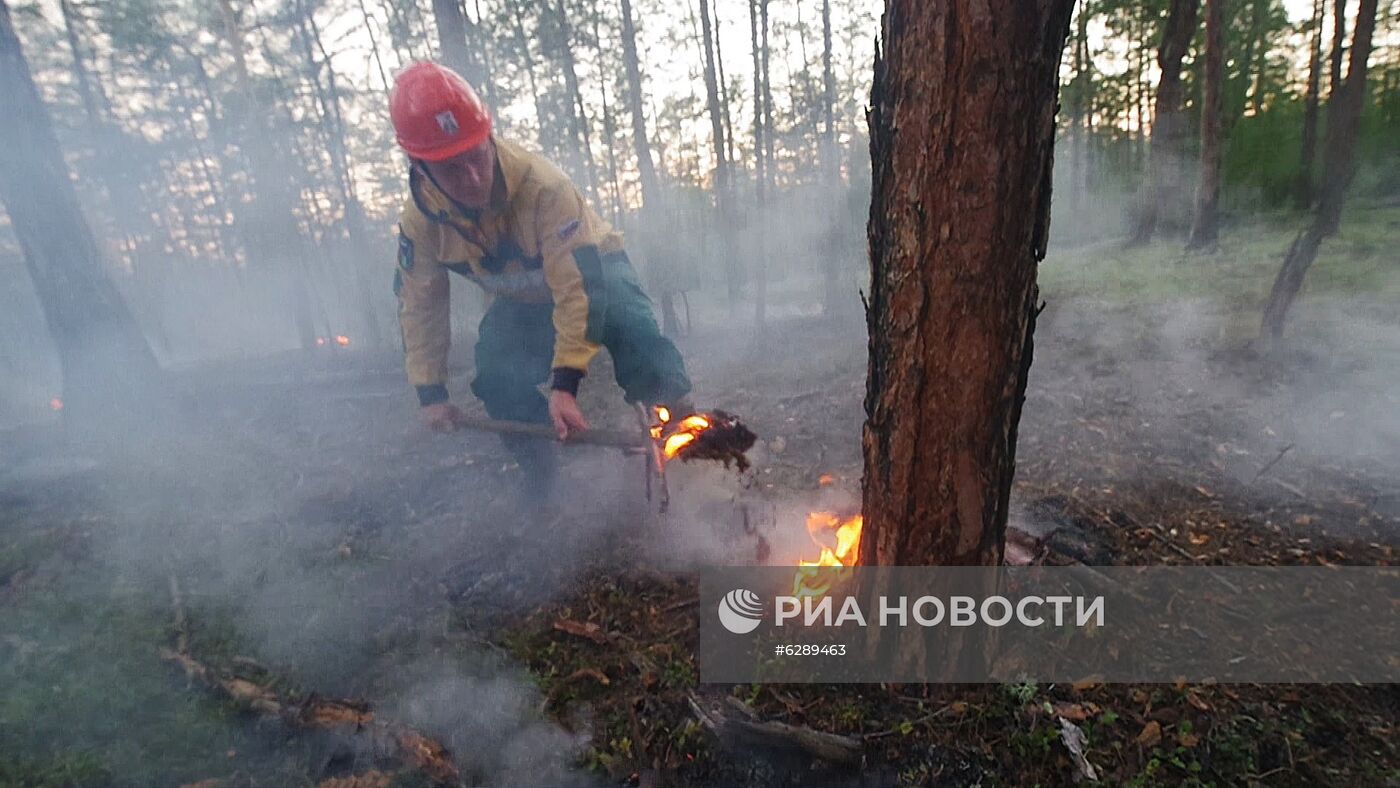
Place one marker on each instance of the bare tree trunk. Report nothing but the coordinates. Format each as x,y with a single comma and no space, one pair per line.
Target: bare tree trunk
452,41
329,99
962,126
646,170
609,128
1303,191
1339,39
1079,120
1339,166
578,115
272,238
763,142
374,46
523,42
1168,122
723,188
831,164
106,362
1205,228
724,91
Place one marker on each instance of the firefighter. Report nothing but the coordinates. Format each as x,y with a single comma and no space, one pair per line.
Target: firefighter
559,280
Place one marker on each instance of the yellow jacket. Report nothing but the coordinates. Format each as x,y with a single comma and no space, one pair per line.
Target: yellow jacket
537,241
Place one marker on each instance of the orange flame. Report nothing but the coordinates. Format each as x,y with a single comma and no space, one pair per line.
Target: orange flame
342,340
55,404
675,438
826,528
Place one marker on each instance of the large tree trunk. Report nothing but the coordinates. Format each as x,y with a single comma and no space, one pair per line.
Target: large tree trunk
962,127
1168,121
105,359
1303,190
1205,228
1339,39
1339,166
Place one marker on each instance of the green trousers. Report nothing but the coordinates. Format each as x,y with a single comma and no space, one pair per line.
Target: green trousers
515,346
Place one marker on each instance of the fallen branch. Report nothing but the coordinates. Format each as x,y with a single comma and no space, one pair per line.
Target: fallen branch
1271,464
387,739
735,726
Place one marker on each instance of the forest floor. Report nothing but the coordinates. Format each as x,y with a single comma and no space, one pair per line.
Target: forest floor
302,540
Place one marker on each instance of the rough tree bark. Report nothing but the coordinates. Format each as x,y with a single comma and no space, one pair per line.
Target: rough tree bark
962,126
1303,189
105,359
1205,228
1339,166
1168,122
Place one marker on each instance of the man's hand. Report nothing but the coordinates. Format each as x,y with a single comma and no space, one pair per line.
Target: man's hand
441,417
564,412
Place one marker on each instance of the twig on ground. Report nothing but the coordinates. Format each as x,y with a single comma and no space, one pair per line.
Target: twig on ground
1271,464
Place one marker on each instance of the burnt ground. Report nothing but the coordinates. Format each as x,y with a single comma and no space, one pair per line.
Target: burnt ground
325,547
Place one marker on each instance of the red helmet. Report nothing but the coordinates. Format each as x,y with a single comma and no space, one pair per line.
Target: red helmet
436,114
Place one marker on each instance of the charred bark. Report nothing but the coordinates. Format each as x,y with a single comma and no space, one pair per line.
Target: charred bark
1168,121
1205,228
962,126
106,362
1339,166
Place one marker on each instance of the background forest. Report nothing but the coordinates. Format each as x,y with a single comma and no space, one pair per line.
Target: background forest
236,163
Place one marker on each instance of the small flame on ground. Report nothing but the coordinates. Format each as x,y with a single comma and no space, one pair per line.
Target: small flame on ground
826,480
839,540
342,340
320,341
55,404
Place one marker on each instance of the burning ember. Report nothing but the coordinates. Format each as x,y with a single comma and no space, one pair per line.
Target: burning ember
839,540
55,404
713,435
342,340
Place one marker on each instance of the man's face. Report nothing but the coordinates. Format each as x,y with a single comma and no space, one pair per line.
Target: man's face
468,176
